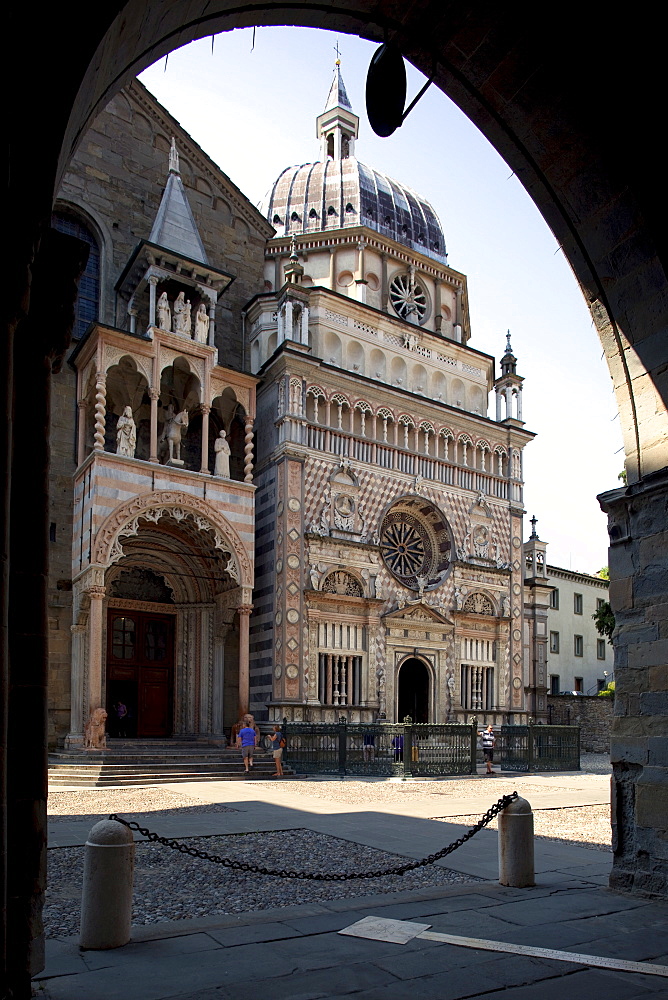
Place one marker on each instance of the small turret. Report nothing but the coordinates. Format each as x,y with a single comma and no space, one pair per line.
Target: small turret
509,387
338,126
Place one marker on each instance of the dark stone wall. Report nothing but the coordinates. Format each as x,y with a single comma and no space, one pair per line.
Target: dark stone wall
592,714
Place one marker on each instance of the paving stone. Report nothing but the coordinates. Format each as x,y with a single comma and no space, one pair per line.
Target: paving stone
148,951
230,936
585,985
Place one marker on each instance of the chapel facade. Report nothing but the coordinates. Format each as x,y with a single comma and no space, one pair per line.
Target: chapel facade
275,481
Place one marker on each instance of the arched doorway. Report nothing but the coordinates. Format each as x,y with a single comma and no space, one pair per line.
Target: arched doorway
413,691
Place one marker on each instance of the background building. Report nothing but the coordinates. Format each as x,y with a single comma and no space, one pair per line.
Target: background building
579,659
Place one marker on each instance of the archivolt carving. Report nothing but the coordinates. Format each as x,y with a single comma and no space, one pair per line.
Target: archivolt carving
478,604
112,355
124,521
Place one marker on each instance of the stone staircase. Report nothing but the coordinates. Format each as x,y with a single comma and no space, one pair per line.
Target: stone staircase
151,762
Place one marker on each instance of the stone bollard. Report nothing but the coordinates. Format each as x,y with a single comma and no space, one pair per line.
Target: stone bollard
516,864
106,900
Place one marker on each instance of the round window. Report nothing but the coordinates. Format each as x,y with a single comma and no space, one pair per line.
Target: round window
415,543
408,298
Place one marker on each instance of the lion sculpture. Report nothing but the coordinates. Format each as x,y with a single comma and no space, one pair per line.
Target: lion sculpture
95,737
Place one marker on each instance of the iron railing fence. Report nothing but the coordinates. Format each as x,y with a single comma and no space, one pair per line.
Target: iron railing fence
415,750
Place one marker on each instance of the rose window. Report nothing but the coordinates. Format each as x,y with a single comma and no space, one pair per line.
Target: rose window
415,543
408,298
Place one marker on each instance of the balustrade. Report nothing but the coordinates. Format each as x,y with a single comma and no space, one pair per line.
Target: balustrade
386,456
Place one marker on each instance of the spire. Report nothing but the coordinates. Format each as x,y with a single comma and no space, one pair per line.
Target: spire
508,361
174,227
337,97
338,126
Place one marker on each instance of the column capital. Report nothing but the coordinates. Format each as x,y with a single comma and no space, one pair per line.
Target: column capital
153,279
244,609
96,592
205,408
154,393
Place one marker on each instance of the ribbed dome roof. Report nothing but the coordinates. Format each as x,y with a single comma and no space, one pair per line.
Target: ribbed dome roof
345,192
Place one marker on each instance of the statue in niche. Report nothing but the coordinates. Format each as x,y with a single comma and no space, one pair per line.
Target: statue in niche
164,313
182,321
202,324
126,434
174,428
95,737
222,450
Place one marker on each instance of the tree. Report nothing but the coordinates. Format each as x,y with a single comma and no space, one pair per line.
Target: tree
605,621
604,573
608,691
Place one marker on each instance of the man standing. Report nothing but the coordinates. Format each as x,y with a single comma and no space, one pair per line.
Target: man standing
488,740
247,741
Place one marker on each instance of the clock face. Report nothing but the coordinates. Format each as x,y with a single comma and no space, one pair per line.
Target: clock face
415,543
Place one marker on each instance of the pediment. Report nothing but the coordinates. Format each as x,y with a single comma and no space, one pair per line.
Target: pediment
417,613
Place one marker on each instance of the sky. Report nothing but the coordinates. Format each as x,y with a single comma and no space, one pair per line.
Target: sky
251,104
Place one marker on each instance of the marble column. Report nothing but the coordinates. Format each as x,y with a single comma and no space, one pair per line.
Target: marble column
81,431
154,395
206,410
95,697
244,611
152,285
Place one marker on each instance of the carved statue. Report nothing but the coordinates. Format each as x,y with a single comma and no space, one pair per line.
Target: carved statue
174,428
222,450
164,313
126,434
459,599
202,324
95,737
182,321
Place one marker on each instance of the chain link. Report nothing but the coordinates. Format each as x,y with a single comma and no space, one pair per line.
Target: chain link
243,866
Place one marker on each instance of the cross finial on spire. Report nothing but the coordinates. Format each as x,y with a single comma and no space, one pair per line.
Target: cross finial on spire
338,53
509,349
534,522
293,248
173,158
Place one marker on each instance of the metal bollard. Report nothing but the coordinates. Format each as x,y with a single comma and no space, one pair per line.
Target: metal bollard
106,899
516,863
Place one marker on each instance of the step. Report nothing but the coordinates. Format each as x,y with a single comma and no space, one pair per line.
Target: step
99,781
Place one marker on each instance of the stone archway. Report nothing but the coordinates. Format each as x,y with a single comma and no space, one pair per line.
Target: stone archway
414,690
544,102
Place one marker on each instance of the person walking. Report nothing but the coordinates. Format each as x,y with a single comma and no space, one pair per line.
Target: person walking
488,739
247,741
277,744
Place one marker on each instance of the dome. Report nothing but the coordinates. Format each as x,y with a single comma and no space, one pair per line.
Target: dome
341,191
345,192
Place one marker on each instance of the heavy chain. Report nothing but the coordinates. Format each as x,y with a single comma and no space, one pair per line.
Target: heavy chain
243,866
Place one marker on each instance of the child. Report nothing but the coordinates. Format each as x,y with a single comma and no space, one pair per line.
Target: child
277,744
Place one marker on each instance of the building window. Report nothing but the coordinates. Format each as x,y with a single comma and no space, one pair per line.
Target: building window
600,649
554,642
599,603
578,645
577,604
88,300
601,683
554,599
577,684
554,683
477,687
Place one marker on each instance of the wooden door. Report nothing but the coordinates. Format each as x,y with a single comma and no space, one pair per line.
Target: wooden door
140,666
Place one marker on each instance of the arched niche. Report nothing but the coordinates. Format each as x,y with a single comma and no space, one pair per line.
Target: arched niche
398,372
439,387
180,389
377,364
229,415
332,352
355,357
127,386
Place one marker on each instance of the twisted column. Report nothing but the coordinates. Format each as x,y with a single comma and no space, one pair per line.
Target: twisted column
100,410
248,451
